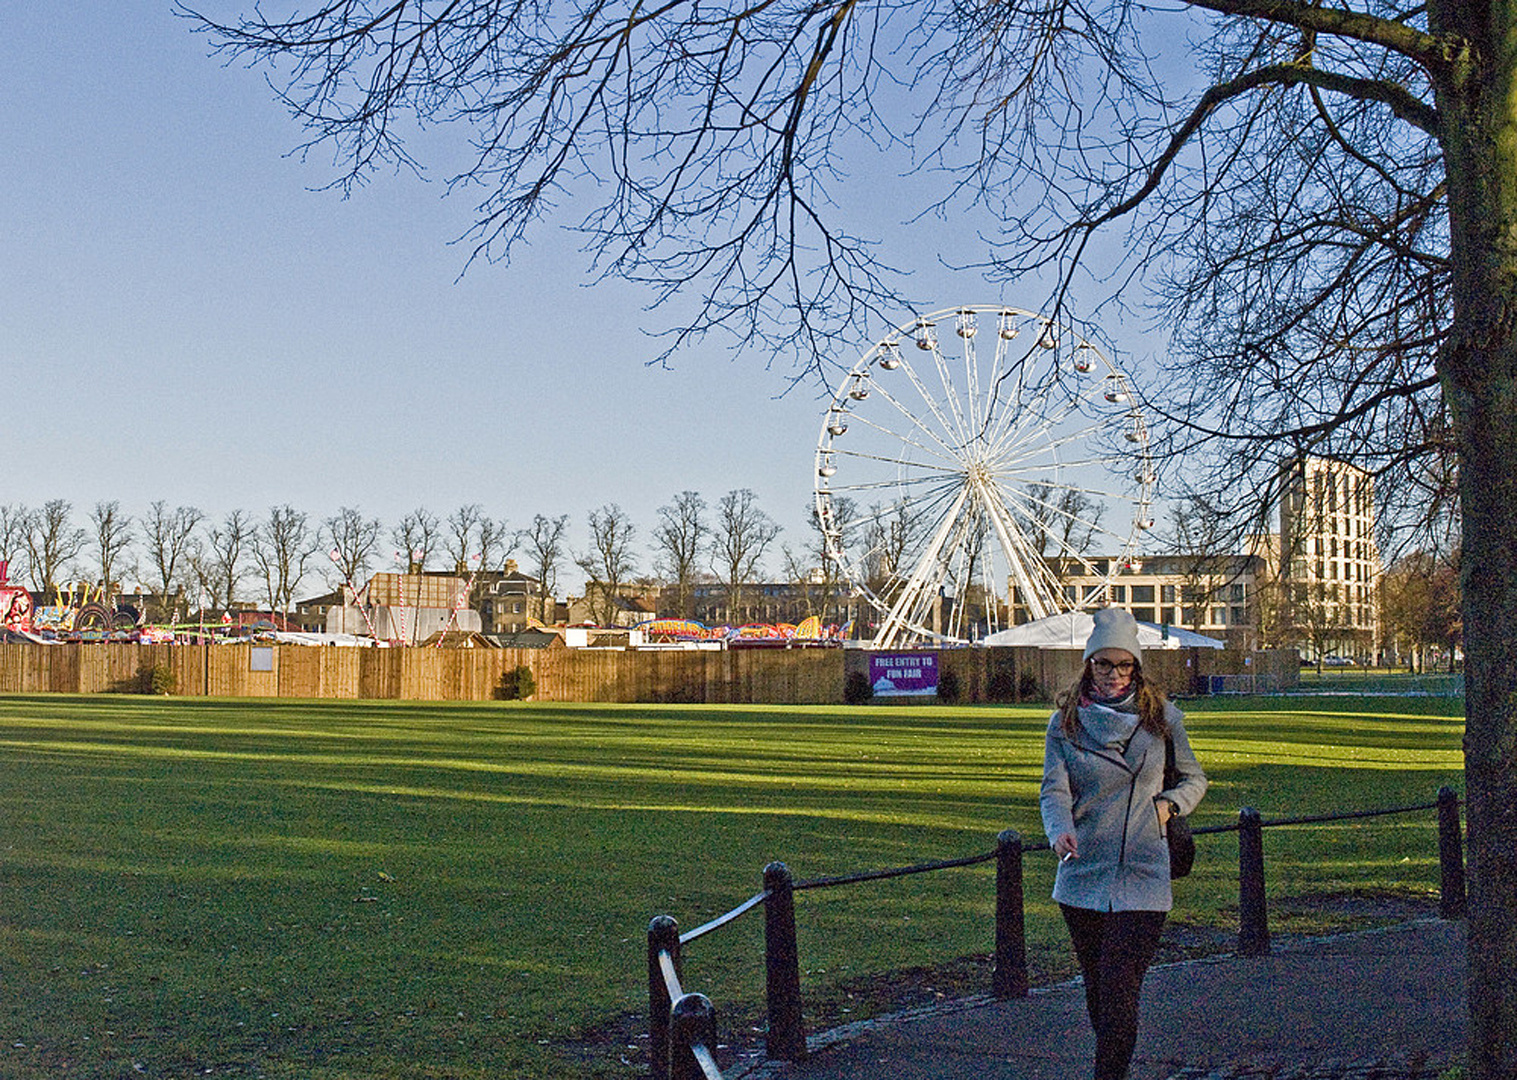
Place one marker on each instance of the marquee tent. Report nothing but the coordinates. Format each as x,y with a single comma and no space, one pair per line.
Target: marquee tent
1070,630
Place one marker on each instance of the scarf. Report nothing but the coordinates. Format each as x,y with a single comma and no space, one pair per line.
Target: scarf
1110,723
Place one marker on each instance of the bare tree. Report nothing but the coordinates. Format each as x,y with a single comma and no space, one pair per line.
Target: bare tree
889,534
350,539
496,542
221,557
459,543
679,539
282,546
544,540
113,537
169,535
740,538
1324,215
1419,603
819,565
52,543
415,540
1201,539
13,528
608,562
1071,517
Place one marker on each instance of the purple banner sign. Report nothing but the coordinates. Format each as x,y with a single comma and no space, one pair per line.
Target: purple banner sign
903,674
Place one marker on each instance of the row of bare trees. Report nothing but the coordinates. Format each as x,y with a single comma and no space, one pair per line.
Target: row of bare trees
690,544
186,559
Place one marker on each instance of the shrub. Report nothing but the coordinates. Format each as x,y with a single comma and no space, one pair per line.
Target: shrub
948,686
1029,689
518,684
856,688
1001,687
161,679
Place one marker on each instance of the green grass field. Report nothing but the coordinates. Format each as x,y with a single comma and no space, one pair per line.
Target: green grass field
381,890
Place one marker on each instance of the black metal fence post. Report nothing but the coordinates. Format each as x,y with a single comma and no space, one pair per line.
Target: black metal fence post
1253,919
663,936
786,1040
1009,977
1450,855
692,1022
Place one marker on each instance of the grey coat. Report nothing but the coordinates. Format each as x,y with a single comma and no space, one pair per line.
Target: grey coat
1105,794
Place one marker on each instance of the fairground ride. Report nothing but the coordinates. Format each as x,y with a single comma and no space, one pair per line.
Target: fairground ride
972,461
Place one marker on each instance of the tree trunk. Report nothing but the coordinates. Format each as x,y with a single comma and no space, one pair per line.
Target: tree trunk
1479,371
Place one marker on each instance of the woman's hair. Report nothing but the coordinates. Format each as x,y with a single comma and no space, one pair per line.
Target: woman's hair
1147,698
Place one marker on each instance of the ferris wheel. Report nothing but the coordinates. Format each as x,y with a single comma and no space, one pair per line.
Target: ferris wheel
975,469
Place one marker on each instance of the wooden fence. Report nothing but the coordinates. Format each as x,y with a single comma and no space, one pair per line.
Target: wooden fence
801,676
738,676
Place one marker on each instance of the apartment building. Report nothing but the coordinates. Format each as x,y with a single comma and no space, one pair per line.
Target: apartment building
1312,584
1329,564
1219,596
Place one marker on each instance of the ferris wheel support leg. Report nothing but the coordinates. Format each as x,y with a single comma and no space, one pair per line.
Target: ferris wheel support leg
1037,603
895,622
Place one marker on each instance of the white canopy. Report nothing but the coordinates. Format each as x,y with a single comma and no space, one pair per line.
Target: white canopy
1070,630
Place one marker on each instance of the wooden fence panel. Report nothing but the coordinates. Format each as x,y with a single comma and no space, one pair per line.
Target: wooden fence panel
299,671
17,666
378,674
340,671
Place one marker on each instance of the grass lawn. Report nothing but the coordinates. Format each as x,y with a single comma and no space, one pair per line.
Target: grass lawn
390,890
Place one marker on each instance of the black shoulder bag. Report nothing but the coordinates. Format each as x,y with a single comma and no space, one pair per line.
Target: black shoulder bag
1182,845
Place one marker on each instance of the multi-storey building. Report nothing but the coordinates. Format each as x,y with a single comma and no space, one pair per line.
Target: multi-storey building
1329,565
1313,584
1218,596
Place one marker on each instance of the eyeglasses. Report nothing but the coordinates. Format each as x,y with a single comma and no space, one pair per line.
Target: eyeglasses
1106,667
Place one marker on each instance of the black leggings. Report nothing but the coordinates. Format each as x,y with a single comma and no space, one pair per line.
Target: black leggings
1115,949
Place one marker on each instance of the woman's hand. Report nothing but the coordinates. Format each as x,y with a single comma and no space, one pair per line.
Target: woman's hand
1166,811
1067,846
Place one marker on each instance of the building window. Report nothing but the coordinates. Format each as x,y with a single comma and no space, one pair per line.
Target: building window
1143,594
1119,594
1143,614
1167,594
1219,616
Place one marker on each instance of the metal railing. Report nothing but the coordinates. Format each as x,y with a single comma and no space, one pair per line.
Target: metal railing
682,1026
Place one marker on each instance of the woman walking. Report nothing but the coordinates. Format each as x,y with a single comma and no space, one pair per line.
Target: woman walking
1105,807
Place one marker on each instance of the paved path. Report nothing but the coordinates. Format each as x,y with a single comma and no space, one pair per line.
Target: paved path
1332,1007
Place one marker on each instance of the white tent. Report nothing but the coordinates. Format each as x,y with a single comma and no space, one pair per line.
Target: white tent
1070,630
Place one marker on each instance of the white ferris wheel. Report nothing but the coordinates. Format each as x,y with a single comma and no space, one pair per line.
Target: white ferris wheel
971,463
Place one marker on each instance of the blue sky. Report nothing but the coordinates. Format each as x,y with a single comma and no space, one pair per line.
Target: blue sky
183,317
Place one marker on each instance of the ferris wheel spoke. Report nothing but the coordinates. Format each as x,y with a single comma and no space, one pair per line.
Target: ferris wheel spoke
860,457
929,399
947,437
954,400
934,448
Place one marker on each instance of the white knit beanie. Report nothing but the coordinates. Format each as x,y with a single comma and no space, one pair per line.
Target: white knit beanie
1115,629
